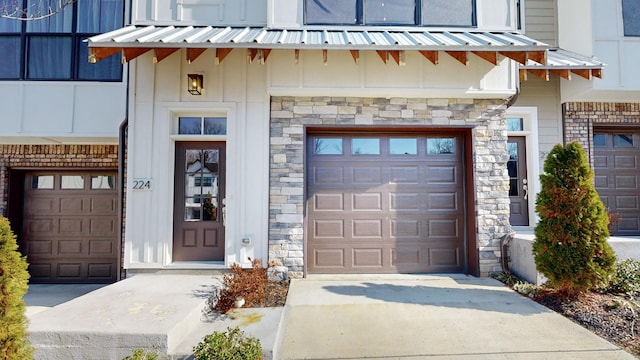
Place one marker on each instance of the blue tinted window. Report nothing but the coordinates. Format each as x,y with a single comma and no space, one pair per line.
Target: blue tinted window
52,47
365,146
49,57
327,146
10,57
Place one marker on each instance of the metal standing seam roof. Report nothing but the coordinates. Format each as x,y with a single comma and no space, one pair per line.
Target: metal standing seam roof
351,39
203,37
562,59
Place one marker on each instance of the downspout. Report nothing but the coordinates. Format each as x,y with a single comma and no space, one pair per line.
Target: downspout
505,241
122,137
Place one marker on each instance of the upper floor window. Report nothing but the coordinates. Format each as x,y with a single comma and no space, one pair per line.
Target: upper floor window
52,48
631,17
390,12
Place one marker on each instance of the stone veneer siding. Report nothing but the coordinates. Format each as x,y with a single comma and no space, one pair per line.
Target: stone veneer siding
289,115
579,118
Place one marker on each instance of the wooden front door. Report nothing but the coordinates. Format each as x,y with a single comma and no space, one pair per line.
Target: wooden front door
518,186
198,218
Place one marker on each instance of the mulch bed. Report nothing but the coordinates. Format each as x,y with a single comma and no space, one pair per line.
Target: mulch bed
612,317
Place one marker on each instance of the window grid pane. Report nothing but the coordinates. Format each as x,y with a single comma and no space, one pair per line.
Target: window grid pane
49,57
53,49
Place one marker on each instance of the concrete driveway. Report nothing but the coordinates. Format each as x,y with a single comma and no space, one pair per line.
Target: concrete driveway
419,316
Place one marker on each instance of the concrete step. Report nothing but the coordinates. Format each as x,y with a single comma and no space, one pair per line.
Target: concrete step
144,311
261,323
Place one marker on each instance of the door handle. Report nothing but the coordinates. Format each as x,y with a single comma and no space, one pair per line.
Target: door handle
224,212
525,188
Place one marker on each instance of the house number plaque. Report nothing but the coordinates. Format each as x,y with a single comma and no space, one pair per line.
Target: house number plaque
141,184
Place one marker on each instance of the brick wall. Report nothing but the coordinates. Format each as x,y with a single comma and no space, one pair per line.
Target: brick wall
580,117
289,115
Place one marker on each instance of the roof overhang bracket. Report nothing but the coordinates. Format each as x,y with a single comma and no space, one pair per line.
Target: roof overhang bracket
192,54
221,53
461,56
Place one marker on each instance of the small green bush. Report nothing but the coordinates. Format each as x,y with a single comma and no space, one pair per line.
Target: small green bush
14,283
229,345
143,354
570,246
626,279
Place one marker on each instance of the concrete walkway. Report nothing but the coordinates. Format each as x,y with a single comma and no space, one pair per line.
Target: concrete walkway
164,313
416,317
326,317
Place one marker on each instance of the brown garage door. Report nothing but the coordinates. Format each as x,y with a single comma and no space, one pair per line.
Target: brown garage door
70,227
385,204
616,160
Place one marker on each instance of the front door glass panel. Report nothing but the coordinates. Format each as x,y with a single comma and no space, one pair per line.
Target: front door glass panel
201,185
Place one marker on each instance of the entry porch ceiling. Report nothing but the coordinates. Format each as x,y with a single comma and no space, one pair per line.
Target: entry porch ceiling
535,57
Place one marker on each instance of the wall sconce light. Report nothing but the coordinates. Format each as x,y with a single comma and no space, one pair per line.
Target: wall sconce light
196,83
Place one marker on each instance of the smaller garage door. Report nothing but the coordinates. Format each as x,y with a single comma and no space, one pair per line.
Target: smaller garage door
70,227
385,203
617,176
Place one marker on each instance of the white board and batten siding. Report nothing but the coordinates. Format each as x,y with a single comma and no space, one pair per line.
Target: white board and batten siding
61,112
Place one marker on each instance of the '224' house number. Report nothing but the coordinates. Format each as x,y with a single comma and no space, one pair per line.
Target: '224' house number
141,184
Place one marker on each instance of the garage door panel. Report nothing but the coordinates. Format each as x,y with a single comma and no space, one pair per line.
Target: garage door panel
439,228
617,179
72,205
73,225
626,202
371,257
329,258
626,182
404,201
405,175
442,174
103,206
366,201
366,228
625,162
328,202
41,247
68,226
328,229
601,162
45,204
406,256
69,247
366,175
443,202
388,214
100,271
102,226
405,228
101,247
601,181
445,258
629,224
40,227
70,271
